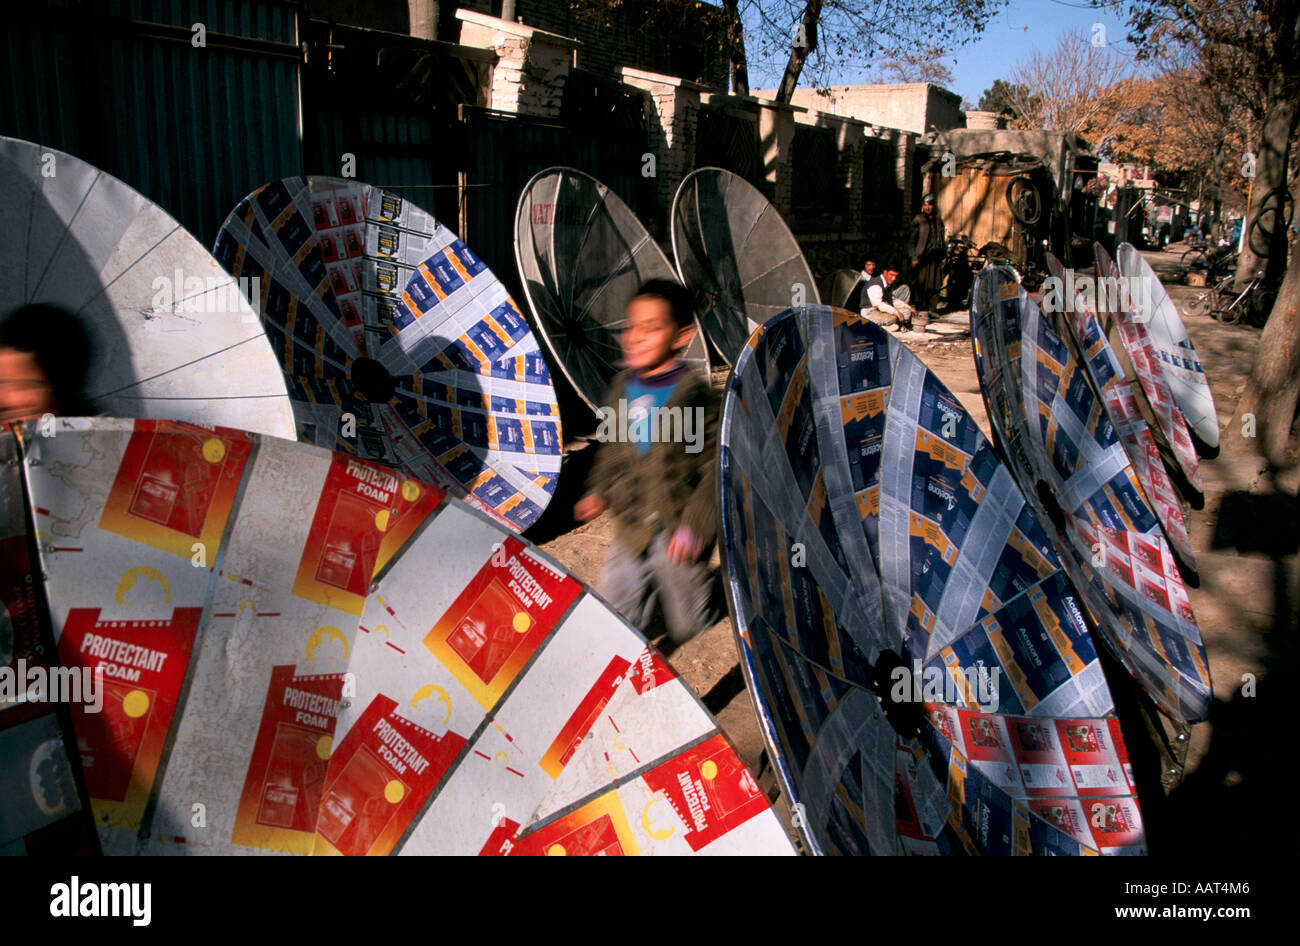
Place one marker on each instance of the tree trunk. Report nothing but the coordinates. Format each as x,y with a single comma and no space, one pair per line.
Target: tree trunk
799,52
736,47
1270,176
1273,391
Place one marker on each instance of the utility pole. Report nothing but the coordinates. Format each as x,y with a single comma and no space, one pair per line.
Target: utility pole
424,18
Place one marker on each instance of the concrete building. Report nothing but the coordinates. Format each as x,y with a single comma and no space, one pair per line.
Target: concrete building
918,107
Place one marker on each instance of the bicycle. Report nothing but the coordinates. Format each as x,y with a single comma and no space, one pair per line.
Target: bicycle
1024,200
964,260
1255,301
960,266
1196,257
1214,262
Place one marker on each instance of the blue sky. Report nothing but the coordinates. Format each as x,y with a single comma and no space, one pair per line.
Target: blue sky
1019,29
1013,33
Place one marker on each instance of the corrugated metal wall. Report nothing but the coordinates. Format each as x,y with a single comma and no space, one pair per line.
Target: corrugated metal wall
392,103
120,85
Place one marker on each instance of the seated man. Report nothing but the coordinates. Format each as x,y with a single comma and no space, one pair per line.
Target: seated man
886,303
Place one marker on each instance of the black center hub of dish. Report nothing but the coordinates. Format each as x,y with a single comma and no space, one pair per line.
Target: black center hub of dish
373,380
575,331
1052,507
892,682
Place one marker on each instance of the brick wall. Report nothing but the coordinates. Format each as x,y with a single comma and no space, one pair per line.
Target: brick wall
532,64
673,107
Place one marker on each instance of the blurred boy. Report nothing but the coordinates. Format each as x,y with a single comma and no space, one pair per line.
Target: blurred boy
656,469
45,356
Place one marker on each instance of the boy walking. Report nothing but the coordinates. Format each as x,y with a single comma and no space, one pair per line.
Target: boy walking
655,469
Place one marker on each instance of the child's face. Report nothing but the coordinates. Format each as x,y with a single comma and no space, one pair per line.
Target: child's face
651,337
25,392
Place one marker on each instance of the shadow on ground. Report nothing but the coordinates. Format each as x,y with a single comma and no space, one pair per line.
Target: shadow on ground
1239,799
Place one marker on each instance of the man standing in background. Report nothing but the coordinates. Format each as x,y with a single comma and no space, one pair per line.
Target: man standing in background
927,247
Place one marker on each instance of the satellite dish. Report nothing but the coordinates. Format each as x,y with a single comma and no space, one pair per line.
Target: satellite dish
878,554
737,255
397,343
1138,345
1106,535
171,333
1173,346
582,254
1117,397
375,667
838,286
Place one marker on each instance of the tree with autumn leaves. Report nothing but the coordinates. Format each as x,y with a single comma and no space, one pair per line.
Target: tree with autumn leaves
1250,51
1186,129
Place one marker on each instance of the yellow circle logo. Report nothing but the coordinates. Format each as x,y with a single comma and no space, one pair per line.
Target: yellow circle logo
381,520
135,704
142,585
324,746
709,770
556,850
648,823
394,792
429,690
214,450
522,622
410,491
321,645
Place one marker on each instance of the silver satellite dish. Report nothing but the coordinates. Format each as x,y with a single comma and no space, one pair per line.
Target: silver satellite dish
582,253
1135,340
737,255
398,344
1074,471
838,286
922,577
172,334
1173,347
373,663
1093,351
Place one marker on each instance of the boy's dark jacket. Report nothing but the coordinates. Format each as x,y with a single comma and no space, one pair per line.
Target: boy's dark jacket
668,487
